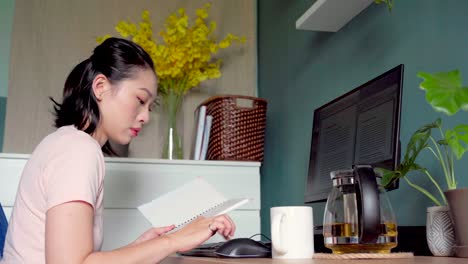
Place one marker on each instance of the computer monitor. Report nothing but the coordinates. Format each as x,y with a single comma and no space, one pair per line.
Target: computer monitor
359,127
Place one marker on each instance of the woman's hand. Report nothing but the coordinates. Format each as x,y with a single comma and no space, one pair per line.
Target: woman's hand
153,233
200,230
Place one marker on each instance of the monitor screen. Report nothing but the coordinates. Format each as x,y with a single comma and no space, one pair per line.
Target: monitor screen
359,127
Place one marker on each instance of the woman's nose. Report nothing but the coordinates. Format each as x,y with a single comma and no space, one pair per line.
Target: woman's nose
143,117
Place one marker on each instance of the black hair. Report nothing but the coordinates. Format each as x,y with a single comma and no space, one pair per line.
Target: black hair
117,59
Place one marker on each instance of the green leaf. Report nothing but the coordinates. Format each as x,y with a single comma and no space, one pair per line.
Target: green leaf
388,176
418,142
444,91
457,139
442,142
388,3
428,127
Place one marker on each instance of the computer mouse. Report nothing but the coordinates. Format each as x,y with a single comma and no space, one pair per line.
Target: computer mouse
243,248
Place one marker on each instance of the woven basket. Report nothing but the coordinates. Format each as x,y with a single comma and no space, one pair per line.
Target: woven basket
237,132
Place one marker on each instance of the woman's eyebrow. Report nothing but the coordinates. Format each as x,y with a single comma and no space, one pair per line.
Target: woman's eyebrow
147,91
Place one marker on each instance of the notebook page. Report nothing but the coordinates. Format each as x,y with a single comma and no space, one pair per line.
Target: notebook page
182,204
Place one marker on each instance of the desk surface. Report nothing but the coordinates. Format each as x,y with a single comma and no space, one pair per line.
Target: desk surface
414,260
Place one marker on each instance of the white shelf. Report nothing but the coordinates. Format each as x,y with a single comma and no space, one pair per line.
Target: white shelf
183,162
331,15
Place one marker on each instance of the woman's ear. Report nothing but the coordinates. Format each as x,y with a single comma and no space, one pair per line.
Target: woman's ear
100,85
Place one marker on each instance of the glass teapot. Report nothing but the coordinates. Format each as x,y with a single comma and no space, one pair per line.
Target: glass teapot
358,216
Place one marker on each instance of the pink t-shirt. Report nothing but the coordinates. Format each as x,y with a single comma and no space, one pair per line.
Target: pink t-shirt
68,165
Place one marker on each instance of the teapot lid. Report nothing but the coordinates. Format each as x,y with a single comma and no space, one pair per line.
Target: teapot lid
342,177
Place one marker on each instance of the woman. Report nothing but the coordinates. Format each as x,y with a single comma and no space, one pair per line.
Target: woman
57,217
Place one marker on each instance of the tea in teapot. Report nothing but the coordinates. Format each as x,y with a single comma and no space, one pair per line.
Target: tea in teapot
358,216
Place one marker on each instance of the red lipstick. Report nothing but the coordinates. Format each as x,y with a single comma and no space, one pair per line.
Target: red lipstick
135,131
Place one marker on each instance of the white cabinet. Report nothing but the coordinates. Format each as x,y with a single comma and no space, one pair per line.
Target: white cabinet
132,182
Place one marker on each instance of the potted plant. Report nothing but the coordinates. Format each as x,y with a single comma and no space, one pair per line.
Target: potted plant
422,139
444,93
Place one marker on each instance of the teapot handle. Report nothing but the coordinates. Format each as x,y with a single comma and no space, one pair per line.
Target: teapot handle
368,203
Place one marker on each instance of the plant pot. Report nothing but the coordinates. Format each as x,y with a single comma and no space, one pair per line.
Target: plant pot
457,200
440,233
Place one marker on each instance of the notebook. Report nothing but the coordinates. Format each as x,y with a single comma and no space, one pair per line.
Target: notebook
187,202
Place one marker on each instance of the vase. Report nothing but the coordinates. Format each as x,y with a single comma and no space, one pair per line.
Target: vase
457,200
439,231
171,103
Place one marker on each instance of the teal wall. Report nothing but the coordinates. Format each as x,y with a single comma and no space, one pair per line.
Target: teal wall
6,26
3,102
301,70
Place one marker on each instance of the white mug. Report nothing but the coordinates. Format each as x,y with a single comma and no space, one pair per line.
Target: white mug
292,233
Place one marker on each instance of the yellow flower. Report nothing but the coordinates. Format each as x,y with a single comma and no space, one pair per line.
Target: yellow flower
184,56
224,44
145,15
103,38
202,13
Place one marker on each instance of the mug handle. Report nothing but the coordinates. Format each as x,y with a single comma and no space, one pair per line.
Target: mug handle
276,239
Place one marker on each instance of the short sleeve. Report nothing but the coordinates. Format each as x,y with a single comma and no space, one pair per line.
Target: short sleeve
74,174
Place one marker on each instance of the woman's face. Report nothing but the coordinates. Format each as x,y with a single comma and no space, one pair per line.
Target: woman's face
125,106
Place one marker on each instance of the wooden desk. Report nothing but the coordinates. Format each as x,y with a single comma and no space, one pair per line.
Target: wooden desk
415,260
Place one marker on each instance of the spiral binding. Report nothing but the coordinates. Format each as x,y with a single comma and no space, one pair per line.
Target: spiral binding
200,214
